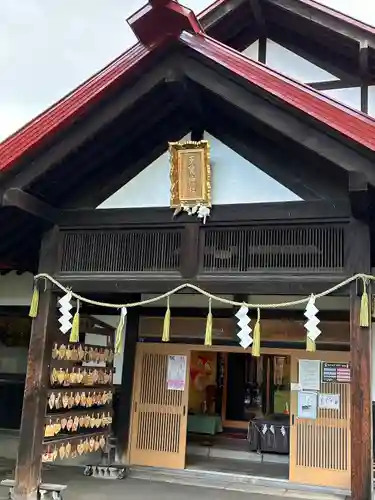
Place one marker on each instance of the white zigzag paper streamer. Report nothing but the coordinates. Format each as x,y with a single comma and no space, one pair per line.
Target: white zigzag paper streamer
66,316
312,322
245,330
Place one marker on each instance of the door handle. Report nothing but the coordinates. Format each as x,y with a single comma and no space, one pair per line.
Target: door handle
292,419
135,407
184,411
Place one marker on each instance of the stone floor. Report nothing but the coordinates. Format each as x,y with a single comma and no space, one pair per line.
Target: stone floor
84,488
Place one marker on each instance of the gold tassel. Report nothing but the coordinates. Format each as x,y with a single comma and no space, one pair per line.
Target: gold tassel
167,323
310,345
120,330
208,335
256,337
34,306
364,313
74,333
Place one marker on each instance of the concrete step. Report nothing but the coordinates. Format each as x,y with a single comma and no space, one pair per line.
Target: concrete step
237,482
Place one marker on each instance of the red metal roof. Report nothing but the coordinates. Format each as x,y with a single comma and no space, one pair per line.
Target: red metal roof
353,124
74,104
350,123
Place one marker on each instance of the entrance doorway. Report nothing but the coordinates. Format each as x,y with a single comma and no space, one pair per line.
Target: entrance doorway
231,405
239,412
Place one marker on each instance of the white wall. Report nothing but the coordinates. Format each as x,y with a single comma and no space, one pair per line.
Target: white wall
294,66
13,360
350,97
16,290
371,100
234,180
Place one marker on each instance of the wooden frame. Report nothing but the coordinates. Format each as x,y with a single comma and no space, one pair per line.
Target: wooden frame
190,174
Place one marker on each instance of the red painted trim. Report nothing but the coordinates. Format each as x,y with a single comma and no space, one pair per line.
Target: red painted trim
63,112
37,132
353,124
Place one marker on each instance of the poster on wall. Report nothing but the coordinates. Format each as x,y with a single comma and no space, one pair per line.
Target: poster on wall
329,401
309,374
336,372
307,405
176,373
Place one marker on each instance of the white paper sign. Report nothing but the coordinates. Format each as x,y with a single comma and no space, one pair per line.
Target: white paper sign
307,405
176,373
295,387
309,374
329,401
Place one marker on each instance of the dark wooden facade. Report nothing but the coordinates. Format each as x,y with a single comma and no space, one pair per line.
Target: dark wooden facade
191,83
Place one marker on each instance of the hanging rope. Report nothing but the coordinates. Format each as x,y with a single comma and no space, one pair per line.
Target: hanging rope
280,305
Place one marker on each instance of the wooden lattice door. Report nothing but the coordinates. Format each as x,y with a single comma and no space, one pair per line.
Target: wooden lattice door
159,413
320,448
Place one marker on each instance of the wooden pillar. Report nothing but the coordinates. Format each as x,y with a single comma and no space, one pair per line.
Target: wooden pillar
29,459
125,398
360,350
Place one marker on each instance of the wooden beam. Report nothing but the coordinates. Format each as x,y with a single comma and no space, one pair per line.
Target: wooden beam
118,172
123,410
295,128
334,22
243,212
365,73
190,250
262,50
284,167
256,284
260,20
314,52
214,16
333,85
29,459
359,195
360,349
15,197
75,136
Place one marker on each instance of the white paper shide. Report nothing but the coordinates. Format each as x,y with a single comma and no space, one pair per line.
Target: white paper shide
245,330
312,322
66,316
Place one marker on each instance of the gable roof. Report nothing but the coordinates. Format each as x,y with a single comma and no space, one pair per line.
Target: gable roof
352,124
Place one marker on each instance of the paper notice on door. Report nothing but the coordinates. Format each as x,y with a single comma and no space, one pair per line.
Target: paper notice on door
307,405
309,374
329,401
295,387
176,373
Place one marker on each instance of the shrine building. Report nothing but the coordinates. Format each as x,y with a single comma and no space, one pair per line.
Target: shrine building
231,154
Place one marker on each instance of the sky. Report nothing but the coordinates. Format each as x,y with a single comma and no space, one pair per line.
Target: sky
47,47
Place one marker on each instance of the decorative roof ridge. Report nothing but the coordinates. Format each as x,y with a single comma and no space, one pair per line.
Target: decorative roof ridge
355,125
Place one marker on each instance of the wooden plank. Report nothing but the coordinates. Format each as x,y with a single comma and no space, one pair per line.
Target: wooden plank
29,460
15,197
324,19
281,212
190,250
298,129
283,166
123,412
332,85
257,284
360,348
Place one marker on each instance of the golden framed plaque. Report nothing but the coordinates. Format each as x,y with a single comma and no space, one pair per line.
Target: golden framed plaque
190,174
